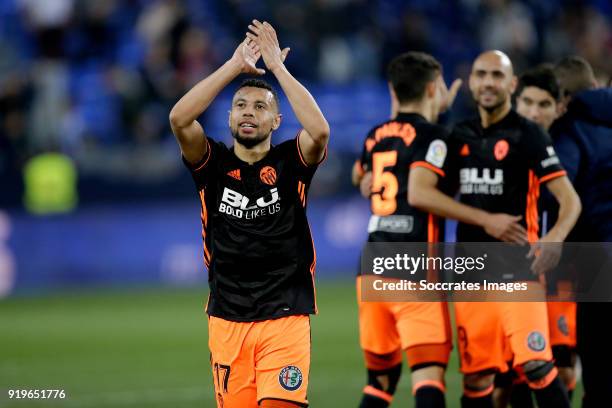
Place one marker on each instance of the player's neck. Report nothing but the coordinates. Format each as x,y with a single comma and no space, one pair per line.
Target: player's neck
253,154
488,118
420,108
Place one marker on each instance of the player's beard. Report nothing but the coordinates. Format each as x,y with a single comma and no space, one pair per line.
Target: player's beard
250,141
492,108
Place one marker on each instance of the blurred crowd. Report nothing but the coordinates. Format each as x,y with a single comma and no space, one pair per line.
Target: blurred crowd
95,80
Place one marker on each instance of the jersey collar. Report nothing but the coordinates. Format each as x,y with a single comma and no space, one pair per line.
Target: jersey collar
409,117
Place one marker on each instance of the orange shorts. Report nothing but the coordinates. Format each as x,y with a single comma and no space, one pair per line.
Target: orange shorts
422,329
492,333
252,361
562,323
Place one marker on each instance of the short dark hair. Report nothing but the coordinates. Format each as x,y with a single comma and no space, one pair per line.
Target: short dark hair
409,74
260,83
575,74
543,77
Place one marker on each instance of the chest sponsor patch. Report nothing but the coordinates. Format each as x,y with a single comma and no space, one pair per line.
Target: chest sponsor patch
240,206
481,181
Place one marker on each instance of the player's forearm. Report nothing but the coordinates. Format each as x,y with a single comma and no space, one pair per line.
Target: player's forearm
304,106
569,211
195,102
432,200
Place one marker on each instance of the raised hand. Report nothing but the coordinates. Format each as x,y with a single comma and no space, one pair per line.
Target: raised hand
264,36
246,56
449,95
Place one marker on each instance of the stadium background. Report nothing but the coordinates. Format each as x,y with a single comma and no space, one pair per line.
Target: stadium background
101,271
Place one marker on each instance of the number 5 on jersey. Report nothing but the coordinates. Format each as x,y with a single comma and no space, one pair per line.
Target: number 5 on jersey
384,183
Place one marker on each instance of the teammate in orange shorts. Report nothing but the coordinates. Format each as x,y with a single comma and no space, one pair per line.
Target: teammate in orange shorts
538,99
257,244
502,159
391,151
562,326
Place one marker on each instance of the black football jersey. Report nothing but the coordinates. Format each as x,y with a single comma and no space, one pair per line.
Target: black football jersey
257,242
390,150
499,169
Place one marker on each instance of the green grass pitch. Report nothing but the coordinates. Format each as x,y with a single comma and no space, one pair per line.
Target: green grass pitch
147,348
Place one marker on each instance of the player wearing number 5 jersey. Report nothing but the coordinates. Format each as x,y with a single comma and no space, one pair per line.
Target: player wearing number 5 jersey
257,243
401,156
391,151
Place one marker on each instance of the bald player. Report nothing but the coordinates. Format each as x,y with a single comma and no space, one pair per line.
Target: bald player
501,159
